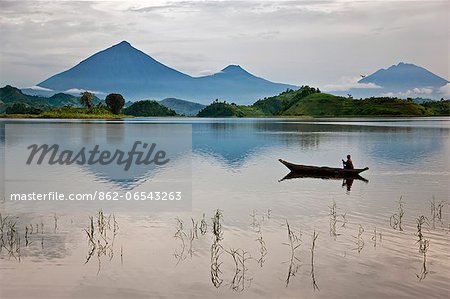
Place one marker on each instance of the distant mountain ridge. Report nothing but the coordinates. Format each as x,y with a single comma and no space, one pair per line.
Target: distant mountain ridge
402,80
129,71
406,76
182,107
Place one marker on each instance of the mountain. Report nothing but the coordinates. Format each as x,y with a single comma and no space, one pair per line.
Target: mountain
402,80
404,76
136,75
182,107
235,84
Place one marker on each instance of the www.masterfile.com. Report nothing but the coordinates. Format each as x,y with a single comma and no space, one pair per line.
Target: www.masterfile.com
98,195
52,196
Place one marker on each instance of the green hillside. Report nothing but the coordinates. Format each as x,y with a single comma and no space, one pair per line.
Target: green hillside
148,108
306,101
309,101
11,96
441,107
277,104
321,104
224,109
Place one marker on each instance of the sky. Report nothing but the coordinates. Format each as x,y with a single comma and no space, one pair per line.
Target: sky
328,44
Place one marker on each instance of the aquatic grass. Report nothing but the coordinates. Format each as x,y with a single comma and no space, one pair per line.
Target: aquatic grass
187,239
55,219
3,222
217,225
203,225
423,246
216,249
396,219
192,235
26,236
180,235
313,247
101,235
10,237
239,256
262,249
294,242
254,221
90,231
359,240
239,280
215,265
374,237
121,254
344,220
333,220
436,211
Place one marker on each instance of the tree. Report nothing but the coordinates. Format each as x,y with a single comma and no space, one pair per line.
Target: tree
115,102
86,99
21,108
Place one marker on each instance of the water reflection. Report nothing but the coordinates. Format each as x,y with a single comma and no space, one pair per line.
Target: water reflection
347,182
235,142
74,143
242,255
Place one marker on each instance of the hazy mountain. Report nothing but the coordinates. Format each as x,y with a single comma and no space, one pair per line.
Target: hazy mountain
235,84
182,107
404,76
127,70
402,80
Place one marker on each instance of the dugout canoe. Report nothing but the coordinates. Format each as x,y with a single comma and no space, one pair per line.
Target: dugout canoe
322,170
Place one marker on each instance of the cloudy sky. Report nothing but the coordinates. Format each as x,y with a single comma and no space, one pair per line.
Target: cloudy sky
299,42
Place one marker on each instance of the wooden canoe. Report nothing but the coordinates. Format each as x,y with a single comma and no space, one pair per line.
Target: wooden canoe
323,171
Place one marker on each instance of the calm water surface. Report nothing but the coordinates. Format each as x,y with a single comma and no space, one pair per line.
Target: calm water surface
368,241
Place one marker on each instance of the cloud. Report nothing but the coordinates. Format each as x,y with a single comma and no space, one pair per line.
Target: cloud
445,90
206,73
422,90
293,42
347,83
417,92
78,91
39,88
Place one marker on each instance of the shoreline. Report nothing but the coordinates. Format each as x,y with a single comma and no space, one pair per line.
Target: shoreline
121,117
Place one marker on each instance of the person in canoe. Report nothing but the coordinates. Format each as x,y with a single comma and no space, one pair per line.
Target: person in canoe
349,163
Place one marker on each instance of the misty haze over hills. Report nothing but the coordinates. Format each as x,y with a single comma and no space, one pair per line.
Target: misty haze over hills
127,70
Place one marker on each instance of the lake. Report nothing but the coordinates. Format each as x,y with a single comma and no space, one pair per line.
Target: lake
247,231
